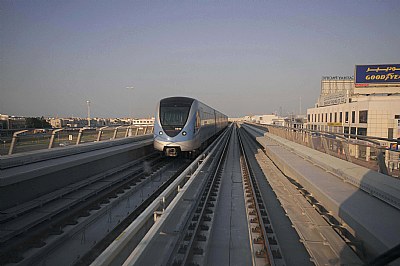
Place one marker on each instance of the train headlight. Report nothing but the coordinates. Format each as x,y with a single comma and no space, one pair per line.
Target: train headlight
184,133
160,133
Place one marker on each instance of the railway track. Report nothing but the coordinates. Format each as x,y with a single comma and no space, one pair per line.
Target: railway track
192,247
43,230
231,205
264,245
316,238
201,230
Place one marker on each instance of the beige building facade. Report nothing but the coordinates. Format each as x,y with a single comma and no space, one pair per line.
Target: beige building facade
343,107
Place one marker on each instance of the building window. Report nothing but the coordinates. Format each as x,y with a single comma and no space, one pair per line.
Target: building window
318,117
346,117
340,117
346,130
353,117
363,116
326,117
353,131
308,117
335,117
390,133
330,117
362,131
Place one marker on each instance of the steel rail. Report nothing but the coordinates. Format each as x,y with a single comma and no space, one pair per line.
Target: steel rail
256,213
209,195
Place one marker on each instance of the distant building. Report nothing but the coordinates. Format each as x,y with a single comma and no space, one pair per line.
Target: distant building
4,121
295,121
143,122
77,122
360,107
16,122
261,119
235,119
56,122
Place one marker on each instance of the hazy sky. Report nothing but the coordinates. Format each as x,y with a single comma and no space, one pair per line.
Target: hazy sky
241,57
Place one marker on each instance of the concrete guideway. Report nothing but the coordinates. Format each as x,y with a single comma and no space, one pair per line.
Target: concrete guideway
229,240
320,239
41,172
158,243
358,211
228,235
306,210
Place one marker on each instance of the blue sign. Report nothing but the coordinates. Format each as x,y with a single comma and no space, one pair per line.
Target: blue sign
377,74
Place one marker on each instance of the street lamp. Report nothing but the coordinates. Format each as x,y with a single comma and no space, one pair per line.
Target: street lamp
130,109
88,112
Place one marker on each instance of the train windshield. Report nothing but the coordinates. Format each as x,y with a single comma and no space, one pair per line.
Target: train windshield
174,116
174,113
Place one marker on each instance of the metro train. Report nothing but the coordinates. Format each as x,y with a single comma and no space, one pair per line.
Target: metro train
185,125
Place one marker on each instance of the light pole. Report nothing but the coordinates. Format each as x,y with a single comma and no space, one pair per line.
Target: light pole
131,88
88,112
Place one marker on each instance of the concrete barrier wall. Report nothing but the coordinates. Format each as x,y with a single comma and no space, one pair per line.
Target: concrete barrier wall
27,177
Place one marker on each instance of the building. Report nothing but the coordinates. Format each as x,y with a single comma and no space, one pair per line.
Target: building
143,122
368,104
294,121
261,119
4,121
16,122
235,119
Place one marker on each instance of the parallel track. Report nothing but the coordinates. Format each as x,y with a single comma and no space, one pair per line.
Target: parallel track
29,242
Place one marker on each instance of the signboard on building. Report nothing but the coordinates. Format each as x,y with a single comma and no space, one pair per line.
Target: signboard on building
333,99
377,75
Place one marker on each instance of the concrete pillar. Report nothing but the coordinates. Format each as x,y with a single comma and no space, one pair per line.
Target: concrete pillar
347,151
382,162
100,133
14,141
387,157
356,151
78,140
128,129
115,132
53,135
367,154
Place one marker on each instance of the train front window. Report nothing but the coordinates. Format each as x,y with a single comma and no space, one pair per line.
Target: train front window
174,116
174,113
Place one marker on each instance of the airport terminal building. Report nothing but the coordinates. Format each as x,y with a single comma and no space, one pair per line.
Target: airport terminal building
368,104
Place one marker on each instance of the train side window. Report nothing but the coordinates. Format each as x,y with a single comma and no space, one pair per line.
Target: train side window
198,121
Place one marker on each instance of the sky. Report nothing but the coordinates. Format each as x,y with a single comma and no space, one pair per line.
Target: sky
240,57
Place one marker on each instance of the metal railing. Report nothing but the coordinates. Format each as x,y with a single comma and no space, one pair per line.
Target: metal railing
379,154
33,139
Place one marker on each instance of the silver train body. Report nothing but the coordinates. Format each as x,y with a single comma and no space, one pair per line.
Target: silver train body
184,124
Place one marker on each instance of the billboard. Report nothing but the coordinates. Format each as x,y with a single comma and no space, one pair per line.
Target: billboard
375,75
